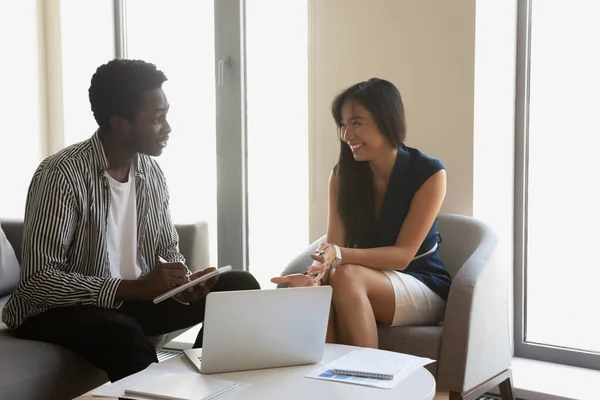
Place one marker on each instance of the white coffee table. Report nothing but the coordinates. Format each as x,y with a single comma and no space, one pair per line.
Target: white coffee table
290,383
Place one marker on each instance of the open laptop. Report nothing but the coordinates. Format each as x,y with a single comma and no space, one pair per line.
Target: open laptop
256,329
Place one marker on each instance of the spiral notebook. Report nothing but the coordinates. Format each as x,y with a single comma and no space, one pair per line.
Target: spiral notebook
190,386
372,363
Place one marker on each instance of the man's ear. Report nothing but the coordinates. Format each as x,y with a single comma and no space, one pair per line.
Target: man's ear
120,125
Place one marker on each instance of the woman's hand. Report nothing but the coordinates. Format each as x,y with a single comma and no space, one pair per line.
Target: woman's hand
324,256
296,280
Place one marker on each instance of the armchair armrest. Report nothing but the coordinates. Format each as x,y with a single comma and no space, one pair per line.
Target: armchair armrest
13,229
298,265
194,245
476,339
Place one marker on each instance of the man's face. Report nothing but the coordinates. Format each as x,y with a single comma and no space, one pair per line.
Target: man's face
150,130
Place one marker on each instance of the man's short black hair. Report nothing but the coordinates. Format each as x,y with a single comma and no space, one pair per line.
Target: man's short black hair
117,88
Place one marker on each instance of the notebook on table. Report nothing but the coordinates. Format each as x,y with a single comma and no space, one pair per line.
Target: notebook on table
372,363
191,386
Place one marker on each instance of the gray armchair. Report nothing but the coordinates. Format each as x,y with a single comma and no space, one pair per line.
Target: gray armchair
36,370
472,345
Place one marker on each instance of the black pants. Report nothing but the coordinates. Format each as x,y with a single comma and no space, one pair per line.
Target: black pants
116,340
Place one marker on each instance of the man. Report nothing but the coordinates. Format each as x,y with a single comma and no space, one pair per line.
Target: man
97,224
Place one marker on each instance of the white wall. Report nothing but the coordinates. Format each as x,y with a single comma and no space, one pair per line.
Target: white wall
427,49
458,90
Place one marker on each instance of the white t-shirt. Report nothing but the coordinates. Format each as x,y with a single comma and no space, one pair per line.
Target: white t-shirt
121,235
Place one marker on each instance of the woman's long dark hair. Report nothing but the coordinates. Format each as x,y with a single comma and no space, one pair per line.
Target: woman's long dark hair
356,197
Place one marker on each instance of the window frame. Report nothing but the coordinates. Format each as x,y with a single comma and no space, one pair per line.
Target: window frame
230,73
524,348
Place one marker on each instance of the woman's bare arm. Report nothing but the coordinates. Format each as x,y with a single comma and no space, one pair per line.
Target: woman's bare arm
423,210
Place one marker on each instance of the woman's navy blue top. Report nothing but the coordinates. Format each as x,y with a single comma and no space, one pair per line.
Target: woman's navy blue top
411,170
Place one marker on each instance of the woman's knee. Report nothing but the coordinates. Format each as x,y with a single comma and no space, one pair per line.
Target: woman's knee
346,281
345,275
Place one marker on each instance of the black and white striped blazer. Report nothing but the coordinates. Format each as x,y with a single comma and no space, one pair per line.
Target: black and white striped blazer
64,258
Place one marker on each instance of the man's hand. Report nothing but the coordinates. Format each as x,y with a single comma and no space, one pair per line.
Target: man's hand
162,279
200,290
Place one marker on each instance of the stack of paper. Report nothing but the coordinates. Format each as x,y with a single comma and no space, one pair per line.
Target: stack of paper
191,386
168,381
371,367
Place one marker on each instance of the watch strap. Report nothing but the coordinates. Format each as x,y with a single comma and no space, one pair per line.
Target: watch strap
338,256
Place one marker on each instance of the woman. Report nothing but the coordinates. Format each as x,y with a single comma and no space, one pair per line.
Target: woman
381,255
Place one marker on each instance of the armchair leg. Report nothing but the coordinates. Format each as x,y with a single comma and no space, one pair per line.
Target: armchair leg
456,396
502,380
507,390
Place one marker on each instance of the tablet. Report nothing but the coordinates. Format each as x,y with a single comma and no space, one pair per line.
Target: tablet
196,281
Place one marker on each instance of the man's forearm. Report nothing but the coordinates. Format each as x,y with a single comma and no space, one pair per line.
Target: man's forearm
128,290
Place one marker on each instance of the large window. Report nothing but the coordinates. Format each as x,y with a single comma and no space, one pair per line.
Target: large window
92,20
277,97
238,88
558,213
184,48
22,104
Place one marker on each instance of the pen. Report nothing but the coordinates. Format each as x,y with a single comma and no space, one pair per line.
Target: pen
316,278
319,276
163,261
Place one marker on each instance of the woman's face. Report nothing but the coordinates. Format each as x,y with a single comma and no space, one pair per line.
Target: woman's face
361,134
